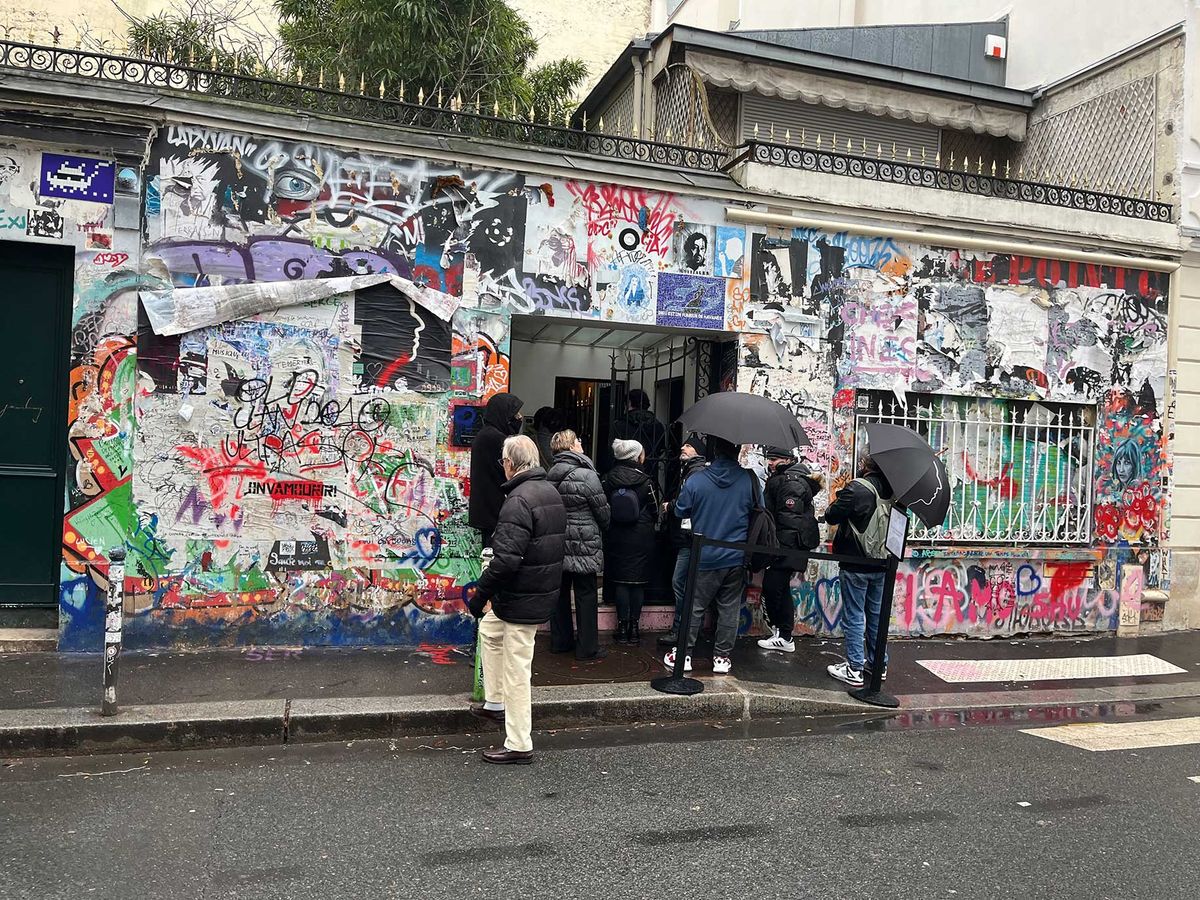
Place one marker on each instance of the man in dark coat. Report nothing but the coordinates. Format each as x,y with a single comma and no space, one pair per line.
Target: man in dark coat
516,593
789,499
641,425
861,587
501,419
587,519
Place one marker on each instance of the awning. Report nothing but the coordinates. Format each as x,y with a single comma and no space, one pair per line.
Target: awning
789,83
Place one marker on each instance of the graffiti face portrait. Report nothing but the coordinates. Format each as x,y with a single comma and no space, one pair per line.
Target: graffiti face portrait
695,252
1126,464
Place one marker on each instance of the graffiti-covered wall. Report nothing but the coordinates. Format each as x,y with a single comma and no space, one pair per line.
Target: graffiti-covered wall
298,473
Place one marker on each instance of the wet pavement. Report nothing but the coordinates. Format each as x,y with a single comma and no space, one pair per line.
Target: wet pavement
52,680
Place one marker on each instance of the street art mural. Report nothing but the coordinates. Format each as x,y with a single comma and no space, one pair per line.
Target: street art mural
298,475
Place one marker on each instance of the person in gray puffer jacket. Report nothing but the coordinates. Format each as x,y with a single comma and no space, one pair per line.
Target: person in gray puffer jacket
587,520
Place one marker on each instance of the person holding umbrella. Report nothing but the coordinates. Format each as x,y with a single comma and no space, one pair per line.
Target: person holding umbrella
860,513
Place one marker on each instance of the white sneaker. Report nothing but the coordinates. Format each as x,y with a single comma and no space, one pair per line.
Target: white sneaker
722,665
843,672
775,642
669,661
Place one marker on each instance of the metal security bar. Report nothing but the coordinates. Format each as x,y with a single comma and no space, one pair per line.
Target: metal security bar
971,178
1020,471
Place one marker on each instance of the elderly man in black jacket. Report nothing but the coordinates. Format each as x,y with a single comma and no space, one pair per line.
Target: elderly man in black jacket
518,591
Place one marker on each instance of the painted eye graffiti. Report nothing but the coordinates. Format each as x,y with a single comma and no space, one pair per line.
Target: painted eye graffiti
297,184
498,233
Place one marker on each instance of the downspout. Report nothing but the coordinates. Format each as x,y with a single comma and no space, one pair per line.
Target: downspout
637,95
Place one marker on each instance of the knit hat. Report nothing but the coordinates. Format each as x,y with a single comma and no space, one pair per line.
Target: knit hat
628,451
777,452
697,443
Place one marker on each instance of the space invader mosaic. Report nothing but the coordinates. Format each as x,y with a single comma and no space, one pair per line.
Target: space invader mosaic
77,178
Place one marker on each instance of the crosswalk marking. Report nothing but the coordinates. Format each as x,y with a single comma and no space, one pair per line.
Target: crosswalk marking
1101,736
1053,669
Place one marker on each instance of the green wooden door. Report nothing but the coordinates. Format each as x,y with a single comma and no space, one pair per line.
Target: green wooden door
35,305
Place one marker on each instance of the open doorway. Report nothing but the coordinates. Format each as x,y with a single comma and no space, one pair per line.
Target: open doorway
587,371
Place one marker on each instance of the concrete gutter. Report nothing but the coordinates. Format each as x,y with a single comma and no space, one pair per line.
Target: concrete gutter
190,726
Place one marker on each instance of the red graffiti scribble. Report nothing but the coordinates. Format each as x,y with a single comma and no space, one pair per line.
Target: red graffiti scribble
439,654
113,260
608,205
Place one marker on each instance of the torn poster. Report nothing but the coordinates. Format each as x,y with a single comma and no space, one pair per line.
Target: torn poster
186,309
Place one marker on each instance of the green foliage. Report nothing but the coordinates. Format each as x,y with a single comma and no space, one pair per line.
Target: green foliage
476,50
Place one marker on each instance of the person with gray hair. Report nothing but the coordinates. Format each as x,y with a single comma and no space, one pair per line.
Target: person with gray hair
516,593
629,546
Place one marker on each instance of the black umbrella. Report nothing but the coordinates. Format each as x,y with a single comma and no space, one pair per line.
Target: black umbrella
917,476
742,418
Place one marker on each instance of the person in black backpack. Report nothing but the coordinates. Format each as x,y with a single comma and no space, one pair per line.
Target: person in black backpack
861,587
629,545
789,499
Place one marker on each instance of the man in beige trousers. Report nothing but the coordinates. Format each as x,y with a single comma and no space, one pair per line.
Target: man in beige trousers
517,592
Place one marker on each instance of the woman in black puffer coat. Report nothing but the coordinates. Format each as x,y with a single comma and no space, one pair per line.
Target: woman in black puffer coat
629,548
587,520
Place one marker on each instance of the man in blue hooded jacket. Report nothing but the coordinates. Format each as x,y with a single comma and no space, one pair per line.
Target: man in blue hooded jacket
718,499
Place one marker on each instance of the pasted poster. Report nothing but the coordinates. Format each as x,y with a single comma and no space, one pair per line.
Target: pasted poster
691,301
693,248
730,251
778,269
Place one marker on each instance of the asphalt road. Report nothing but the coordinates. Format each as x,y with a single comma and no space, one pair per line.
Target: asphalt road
855,808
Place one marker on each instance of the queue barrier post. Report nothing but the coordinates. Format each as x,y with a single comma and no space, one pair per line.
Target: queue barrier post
677,683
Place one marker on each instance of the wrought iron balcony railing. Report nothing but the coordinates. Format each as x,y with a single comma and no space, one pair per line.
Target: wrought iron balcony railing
968,180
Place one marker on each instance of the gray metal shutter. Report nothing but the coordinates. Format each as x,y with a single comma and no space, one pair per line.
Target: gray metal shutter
826,121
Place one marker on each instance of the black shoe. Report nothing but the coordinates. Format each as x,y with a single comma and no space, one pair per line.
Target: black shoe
668,640
506,757
570,649
479,711
599,654
635,634
622,635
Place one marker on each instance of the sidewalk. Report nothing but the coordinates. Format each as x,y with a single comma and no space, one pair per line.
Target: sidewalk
273,695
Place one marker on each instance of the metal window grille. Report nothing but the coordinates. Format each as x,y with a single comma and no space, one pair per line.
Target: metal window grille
1020,471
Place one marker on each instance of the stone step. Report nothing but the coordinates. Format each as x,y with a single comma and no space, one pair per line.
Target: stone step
24,640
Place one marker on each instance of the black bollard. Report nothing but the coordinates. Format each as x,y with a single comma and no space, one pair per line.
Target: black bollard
113,621
677,682
872,693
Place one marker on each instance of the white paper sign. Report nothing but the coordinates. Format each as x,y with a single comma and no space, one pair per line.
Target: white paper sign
897,532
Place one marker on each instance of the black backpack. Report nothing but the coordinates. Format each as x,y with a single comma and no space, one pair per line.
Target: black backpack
625,505
762,531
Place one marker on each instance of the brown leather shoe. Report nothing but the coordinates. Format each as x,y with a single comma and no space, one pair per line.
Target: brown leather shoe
479,711
506,757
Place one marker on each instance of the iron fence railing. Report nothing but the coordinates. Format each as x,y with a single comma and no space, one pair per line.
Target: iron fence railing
448,117
1020,471
971,179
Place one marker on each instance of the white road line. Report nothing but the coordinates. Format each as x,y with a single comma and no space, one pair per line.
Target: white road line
1195,778
1054,669
1101,736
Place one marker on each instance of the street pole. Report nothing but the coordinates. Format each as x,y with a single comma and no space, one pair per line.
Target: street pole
677,682
113,622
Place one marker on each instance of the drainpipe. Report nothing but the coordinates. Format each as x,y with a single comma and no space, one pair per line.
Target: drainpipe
637,95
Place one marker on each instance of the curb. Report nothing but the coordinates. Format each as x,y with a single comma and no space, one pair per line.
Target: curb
191,726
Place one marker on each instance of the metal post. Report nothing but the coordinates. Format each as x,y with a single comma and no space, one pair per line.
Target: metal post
677,682
113,620
872,693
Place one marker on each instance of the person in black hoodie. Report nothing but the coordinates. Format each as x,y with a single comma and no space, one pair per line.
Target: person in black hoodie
640,424
861,586
501,419
629,545
516,592
789,499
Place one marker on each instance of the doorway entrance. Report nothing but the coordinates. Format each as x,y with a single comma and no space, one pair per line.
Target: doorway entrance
588,371
33,439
